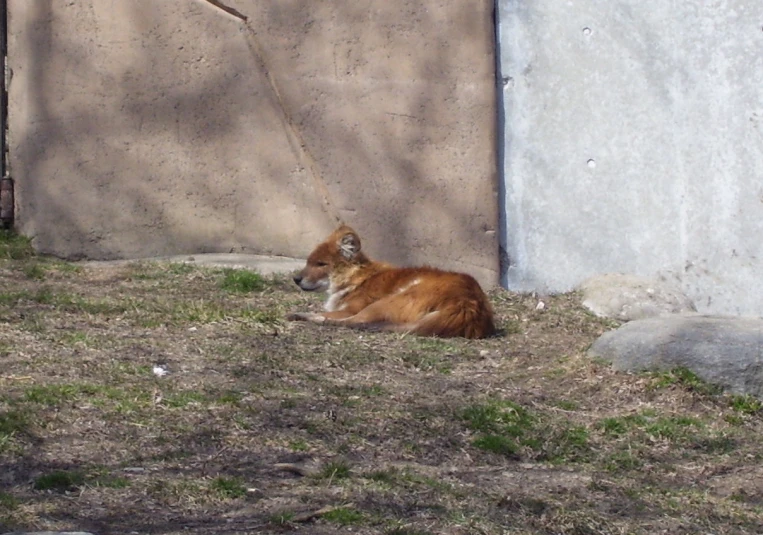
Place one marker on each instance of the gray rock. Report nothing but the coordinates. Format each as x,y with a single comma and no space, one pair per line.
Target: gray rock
628,297
720,350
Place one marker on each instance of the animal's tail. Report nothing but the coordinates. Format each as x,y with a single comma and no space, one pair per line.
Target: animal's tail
467,321
464,321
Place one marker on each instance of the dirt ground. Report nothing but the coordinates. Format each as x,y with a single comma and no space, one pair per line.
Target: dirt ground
170,399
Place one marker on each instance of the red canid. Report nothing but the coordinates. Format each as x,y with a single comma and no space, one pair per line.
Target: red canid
378,296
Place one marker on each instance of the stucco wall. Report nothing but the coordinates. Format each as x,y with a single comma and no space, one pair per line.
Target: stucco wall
149,127
633,142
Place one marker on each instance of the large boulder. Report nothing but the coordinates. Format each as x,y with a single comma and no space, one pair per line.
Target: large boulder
720,350
628,297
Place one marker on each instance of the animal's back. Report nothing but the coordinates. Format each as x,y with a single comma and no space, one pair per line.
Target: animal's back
433,302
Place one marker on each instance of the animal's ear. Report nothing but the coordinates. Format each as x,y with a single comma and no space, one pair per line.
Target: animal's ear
349,245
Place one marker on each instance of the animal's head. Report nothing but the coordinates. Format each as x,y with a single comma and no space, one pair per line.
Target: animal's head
340,251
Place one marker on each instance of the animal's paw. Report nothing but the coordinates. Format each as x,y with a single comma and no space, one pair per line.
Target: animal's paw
305,316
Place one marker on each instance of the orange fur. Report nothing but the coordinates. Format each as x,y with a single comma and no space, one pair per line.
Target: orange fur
375,295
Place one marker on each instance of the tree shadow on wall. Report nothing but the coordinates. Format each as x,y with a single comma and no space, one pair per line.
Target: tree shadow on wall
143,137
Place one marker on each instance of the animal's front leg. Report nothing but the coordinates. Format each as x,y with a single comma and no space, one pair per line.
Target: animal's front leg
321,317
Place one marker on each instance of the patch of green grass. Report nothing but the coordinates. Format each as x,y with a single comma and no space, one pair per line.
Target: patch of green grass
13,421
208,311
8,501
63,266
34,271
428,362
228,487
184,398
501,425
268,317
14,246
623,461
499,444
569,443
720,444
70,303
242,281
385,477
566,405
506,428
180,268
78,338
499,417
60,480
748,405
344,516
54,395
123,401
406,531
671,428
685,378
335,470
110,482
620,425
231,397
283,518
298,445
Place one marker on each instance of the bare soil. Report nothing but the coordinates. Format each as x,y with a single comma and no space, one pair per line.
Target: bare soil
264,426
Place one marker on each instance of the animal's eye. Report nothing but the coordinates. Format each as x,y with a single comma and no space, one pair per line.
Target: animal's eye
321,264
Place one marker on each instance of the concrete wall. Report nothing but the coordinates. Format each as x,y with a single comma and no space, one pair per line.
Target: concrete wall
145,127
634,143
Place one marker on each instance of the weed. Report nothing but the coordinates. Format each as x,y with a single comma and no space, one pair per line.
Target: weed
53,395
111,482
686,378
298,445
499,444
230,397
672,428
60,481
34,271
507,428
63,267
613,426
748,405
268,317
242,281
14,246
622,461
180,268
335,470
406,531
184,398
715,445
12,422
8,501
344,516
75,338
498,415
567,405
228,487
566,444
619,426
282,519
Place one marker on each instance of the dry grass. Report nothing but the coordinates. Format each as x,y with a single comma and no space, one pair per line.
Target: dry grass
268,427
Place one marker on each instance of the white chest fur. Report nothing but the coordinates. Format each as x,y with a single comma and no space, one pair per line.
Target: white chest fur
335,297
